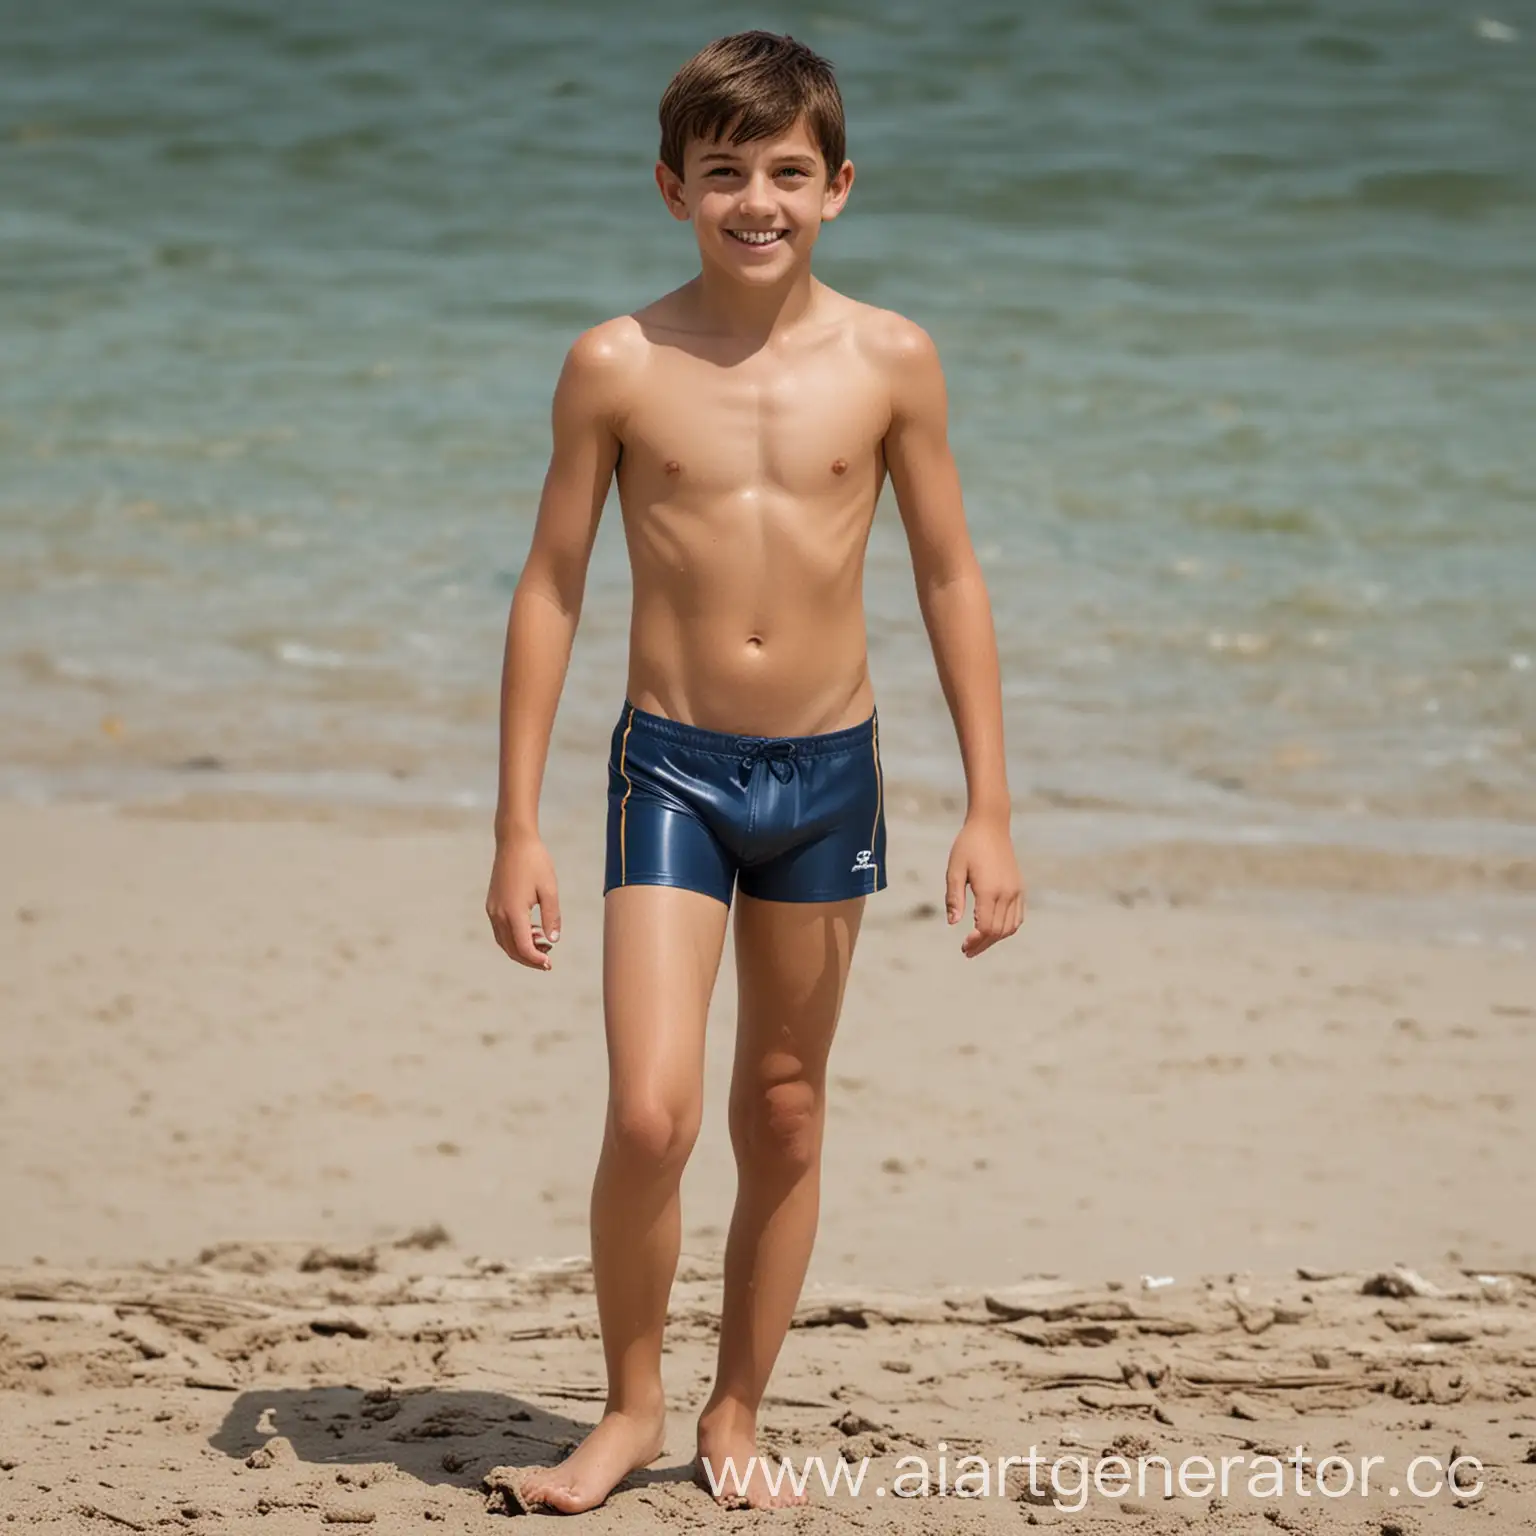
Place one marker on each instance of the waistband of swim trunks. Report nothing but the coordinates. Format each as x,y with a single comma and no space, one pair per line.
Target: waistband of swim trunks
728,744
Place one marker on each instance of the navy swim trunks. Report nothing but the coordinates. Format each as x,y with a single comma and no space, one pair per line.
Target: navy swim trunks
783,818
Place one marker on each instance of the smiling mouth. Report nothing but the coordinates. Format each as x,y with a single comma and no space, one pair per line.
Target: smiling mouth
757,237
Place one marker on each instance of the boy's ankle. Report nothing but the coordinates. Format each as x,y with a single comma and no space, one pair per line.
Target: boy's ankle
728,1413
644,1405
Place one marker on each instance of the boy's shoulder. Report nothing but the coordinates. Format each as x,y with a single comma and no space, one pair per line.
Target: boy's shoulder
625,338
612,346
889,338
602,368
615,350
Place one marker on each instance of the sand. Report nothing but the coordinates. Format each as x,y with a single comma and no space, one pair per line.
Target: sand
249,1053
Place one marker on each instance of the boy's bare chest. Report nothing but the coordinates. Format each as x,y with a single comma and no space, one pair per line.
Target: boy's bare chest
700,429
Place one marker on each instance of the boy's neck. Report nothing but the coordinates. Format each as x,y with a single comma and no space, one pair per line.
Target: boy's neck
753,314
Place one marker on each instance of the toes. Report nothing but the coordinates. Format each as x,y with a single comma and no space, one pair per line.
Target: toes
550,1495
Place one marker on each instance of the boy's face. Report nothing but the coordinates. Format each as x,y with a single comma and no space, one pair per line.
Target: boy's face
756,208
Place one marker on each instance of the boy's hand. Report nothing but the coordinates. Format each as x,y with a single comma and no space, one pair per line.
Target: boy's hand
983,858
523,877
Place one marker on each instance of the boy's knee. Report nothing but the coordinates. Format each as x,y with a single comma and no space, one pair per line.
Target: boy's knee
650,1130
780,1123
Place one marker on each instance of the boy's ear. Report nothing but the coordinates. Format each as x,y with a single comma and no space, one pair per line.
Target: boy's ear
836,195
670,184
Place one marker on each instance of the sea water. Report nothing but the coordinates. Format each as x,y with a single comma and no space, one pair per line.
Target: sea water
1237,301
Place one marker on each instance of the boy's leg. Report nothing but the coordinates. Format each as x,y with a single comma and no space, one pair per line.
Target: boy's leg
661,953
792,963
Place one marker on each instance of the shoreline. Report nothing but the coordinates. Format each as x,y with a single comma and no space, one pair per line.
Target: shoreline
1463,883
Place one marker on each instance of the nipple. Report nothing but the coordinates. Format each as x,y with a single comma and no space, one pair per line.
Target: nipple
672,466
839,466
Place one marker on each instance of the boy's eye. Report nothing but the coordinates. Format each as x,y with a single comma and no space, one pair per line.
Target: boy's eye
786,170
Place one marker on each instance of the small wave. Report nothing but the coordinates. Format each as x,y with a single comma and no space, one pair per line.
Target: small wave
193,254
1243,643
1492,30
322,154
1260,13
373,84
1342,50
297,654
199,151
1446,194
1037,197
235,22
1242,518
42,667
1246,162
1440,194
316,45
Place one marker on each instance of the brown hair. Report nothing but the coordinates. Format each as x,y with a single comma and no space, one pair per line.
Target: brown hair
753,85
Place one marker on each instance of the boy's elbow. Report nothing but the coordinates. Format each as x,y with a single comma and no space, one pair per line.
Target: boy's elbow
557,583
954,567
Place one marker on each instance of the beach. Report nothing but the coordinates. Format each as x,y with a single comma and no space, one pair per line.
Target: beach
281,1116
1228,1151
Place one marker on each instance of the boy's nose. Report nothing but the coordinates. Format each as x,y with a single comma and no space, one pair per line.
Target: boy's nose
757,196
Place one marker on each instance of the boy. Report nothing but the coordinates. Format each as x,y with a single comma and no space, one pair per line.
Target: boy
751,417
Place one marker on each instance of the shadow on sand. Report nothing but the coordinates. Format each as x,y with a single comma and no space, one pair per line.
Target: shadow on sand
438,1436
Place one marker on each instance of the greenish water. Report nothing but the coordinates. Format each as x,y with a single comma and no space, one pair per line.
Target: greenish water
1238,303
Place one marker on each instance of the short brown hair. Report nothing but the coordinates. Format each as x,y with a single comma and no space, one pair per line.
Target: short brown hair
752,85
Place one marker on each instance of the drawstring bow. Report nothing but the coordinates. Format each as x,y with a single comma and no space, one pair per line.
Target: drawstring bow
779,755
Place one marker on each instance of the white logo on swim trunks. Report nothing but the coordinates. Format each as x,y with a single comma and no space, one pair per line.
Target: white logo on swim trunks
862,861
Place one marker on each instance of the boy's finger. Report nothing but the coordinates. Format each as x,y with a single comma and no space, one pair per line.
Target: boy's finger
954,893
503,931
975,942
988,929
549,913
523,947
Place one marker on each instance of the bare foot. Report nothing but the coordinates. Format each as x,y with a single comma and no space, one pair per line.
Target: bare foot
729,1468
620,1443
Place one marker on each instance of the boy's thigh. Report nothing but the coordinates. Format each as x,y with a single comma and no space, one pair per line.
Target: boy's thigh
652,841
661,954
792,964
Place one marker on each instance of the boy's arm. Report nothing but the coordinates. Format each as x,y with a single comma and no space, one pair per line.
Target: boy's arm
541,627
958,617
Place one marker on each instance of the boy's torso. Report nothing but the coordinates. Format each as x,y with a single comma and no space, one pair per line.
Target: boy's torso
748,481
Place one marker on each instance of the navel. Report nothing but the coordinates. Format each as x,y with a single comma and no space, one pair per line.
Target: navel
673,467
839,466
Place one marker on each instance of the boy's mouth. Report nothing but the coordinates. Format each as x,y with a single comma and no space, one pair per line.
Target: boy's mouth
757,236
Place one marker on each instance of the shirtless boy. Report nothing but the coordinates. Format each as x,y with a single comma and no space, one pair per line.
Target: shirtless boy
750,417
